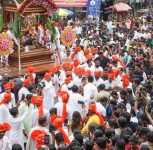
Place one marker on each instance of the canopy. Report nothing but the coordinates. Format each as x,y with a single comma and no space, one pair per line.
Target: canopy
64,12
120,7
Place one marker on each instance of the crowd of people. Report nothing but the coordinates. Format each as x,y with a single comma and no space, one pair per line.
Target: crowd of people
102,99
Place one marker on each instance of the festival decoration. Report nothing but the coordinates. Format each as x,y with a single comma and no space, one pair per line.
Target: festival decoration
6,44
47,4
68,36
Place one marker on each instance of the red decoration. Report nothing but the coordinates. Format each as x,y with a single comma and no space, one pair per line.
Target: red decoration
47,4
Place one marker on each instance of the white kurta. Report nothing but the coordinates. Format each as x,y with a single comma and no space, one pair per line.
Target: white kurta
59,107
5,143
90,92
31,145
77,81
98,82
62,76
101,109
23,91
35,116
27,120
16,132
110,84
73,102
56,82
4,113
49,95
12,102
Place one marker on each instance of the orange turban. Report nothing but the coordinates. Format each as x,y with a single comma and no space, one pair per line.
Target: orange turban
94,50
65,97
92,108
76,62
111,76
98,73
67,80
38,136
118,60
38,101
7,97
125,80
87,51
58,124
66,65
115,58
70,67
89,56
87,73
69,73
53,70
78,49
79,71
9,85
26,82
116,72
30,68
47,75
58,67
5,127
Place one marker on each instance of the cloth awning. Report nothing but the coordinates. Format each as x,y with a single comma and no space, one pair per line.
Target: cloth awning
120,7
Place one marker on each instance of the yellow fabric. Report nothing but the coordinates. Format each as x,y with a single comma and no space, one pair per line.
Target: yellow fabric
93,119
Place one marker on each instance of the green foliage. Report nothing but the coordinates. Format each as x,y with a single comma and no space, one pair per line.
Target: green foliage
1,23
51,28
15,27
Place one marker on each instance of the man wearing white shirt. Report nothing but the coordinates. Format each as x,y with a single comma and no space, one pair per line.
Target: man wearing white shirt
4,109
48,92
23,92
110,84
31,145
76,100
101,106
8,88
90,91
5,143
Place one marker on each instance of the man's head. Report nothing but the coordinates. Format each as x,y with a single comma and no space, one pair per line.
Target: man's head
100,143
89,144
103,101
75,88
97,63
101,87
28,99
16,147
53,111
120,144
122,122
90,79
14,112
59,138
123,94
133,141
114,94
42,121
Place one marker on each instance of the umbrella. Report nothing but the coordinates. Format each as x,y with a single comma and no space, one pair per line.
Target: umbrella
64,12
120,7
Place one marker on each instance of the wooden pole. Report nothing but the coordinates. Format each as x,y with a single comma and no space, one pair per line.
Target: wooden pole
19,55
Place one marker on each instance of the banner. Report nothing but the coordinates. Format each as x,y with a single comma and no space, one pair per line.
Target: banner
93,8
71,3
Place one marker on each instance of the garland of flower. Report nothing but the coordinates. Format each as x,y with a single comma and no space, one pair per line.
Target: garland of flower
49,5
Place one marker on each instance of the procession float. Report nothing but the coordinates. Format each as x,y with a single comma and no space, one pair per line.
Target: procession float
27,32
